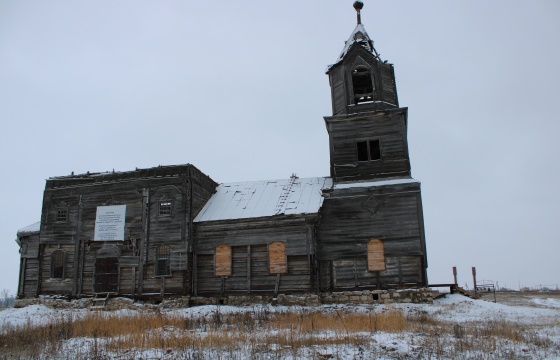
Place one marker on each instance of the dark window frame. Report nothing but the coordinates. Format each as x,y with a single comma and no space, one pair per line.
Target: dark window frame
58,264
62,215
163,260
369,150
165,208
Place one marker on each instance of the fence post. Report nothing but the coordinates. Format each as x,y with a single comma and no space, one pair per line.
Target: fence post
455,275
474,278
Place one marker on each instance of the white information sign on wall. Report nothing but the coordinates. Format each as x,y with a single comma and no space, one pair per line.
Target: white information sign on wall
109,222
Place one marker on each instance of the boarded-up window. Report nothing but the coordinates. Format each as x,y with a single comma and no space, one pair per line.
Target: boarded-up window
376,255
163,255
57,264
223,260
277,258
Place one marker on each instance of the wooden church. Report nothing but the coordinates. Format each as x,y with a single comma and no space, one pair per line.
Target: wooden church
174,231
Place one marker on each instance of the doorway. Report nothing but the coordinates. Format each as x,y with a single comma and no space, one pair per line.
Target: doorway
106,275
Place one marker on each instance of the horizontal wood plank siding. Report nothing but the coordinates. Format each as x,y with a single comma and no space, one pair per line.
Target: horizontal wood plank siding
182,186
387,127
351,218
207,282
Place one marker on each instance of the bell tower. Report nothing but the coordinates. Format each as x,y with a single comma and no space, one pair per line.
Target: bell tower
367,131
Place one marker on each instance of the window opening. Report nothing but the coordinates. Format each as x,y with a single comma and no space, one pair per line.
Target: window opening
374,150
62,215
363,85
369,150
163,255
376,255
164,208
222,260
277,260
57,264
362,151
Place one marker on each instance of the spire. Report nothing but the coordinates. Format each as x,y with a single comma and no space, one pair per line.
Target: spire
358,5
359,36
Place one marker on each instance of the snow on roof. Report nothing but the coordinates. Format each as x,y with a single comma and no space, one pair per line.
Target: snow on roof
253,199
377,183
358,36
33,228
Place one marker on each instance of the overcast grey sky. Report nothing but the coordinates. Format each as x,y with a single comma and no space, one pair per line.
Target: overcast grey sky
238,89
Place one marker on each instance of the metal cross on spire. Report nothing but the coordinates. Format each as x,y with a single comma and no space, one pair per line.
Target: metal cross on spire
358,5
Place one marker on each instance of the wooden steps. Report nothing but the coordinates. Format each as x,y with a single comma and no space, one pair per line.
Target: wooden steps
99,301
466,293
454,288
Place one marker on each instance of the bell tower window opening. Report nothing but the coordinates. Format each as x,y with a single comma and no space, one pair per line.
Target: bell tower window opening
369,150
363,85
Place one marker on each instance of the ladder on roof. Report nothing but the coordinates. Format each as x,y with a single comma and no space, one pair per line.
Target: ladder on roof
285,194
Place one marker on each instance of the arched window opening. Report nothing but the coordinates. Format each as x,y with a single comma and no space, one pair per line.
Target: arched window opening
57,264
163,256
277,260
376,255
222,260
363,85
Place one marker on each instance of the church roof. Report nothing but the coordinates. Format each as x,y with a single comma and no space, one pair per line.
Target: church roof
359,37
252,199
31,229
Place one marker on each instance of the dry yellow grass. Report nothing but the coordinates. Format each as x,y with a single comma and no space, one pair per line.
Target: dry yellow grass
157,330
257,330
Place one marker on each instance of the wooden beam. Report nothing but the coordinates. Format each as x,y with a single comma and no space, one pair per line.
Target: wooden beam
248,269
277,286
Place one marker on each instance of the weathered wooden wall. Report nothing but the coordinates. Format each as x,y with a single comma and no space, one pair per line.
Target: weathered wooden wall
249,240
342,91
145,229
389,127
351,217
28,284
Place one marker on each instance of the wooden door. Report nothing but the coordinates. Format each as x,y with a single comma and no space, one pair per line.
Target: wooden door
106,275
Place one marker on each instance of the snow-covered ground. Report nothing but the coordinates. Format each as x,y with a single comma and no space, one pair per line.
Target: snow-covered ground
539,315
